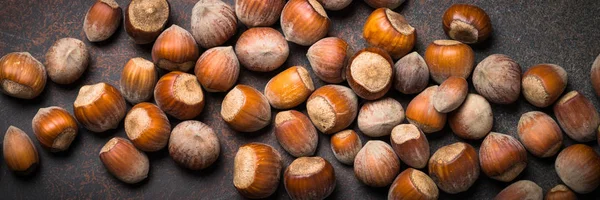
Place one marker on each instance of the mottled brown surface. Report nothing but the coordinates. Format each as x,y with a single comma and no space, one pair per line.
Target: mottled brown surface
563,32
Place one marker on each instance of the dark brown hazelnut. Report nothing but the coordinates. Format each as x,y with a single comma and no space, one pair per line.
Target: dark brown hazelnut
467,23
454,168
502,157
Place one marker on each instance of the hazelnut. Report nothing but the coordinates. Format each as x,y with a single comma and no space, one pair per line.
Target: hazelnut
332,108
175,50
502,157
345,145
522,189
473,120
147,127
391,4
304,22
413,184
578,166
467,23
255,13
378,118
180,95
20,154
256,170
328,58
66,60
295,133
335,5
245,109
370,72
454,168
138,79
421,113
446,58
194,145
124,161
289,88
390,31
450,94
54,128
99,107
376,164
218,69
540,134
21,75
577,116
262,49
146,19
213,23
411,145
309,178
102,20
595,75
411,74
543,84
498,79
560,192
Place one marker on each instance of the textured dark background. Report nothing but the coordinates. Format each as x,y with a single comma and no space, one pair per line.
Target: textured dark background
563,32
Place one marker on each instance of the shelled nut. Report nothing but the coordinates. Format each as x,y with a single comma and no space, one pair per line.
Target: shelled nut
577,116
54,128
328,58
376,164
175,50
523,189
389,31
391,4
454,168
542,84
411,145
540,134
467,23
370,72
411,74
309,178
256,170
124,161
138,79
262,49
332,108
378,118
289,88
147,127
578,166
213,23
218,69
21,75
20,155
66,60
502,157
255,13
446,58
146,19
345,145
473,120
102,20
245,109
413,184
335,5
498,79
560,192
99,107
194,145
304,22
180,95
421,113
295,133
595,75
450,94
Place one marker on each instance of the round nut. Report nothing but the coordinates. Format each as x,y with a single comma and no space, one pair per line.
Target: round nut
289,88
213,23
473,120
180,95
55,128
467,23
450,94
99,107
245,109
446,58
304,22
421,113
502,157
543,84
194,145
21,75
328,58
578,166
390,31
66,60
454,168
255,13
262,49
378,118
413,184
411,74
376,164
332,108
498,79
309,178
295,133
540,134
256,170
345,145
147,127
370,73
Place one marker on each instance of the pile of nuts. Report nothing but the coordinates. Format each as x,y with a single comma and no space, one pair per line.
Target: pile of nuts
370,74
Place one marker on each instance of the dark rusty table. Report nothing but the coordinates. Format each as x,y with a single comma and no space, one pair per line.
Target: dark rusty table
563,32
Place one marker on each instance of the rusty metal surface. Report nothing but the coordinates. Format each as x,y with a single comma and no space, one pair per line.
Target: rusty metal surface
563,32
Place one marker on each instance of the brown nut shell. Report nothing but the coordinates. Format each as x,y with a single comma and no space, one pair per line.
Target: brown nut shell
578,166
411,74
498,79
390,31
446,58
147,127
289,88
213,23
345,145
376,164
245,109
450,94
304,22
194,145
522,189
560,192
180,95
502,157
21,75
328,58
124,161
295,133
54,128
577,116
421,113
138,79
146,19
256,171
255,13
467,23
175,50
413,184
454,168
543,84
473,120
218,69
411,145
391,4
262,49
102,20
20,155
309,178
66,60
378,118
99,107
540,134
332,108
370,72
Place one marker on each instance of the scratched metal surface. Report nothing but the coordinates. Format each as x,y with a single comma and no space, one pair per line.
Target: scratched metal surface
563,32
